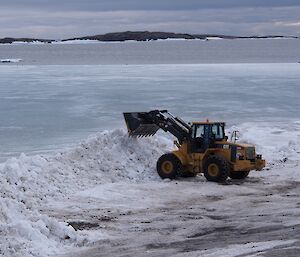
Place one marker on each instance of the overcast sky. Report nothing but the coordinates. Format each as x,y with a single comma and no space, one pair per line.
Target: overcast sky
71,18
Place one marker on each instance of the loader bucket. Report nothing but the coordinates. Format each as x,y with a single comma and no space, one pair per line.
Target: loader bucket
139,124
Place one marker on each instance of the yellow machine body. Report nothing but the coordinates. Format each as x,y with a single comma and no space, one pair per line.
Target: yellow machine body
202,147
193,162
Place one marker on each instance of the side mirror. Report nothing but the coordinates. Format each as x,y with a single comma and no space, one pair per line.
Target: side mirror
234,136
176,143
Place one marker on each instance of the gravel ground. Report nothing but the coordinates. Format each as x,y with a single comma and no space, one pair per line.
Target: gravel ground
189,217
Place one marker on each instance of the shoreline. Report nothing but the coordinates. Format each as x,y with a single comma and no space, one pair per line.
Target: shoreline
139,36
91,41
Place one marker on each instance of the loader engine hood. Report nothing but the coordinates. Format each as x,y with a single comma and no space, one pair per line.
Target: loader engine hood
242,151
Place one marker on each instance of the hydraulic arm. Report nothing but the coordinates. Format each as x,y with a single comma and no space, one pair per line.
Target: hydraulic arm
143,124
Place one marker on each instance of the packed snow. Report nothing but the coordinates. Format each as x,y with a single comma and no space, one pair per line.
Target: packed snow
112,168
238,250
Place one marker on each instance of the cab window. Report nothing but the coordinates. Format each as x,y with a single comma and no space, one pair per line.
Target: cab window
198,131
218,131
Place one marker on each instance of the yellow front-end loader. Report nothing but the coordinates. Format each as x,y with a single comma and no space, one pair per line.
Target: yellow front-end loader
202,147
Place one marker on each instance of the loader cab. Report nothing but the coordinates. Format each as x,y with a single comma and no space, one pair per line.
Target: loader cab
204,135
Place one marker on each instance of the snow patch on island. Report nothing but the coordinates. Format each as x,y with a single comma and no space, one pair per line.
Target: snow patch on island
36,42
214,38
10,60
76,41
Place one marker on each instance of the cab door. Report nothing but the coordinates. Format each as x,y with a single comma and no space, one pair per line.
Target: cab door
200,138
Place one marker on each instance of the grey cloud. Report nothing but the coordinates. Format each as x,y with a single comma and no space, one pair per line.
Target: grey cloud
231,21
113,5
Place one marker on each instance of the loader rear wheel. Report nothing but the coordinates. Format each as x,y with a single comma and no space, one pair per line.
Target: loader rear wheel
168,166
216,168
238,174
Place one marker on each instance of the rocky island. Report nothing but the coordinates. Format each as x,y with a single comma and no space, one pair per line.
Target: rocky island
137,36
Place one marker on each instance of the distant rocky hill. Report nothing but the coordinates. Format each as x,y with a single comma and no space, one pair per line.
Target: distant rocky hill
9,40
138,36
135,35
147,36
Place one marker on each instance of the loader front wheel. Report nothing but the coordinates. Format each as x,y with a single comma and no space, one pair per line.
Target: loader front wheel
168,166
238,174
216,168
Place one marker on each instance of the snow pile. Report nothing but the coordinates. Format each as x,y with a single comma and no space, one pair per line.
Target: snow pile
104,157
26,232
28,183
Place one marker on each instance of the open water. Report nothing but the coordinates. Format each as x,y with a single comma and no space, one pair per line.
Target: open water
50,107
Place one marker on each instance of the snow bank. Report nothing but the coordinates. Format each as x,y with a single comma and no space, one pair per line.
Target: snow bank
279,144
26,232
276,141
28,183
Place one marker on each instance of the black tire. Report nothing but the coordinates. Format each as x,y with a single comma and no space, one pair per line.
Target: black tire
168,166
238,174
216,168
187,174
